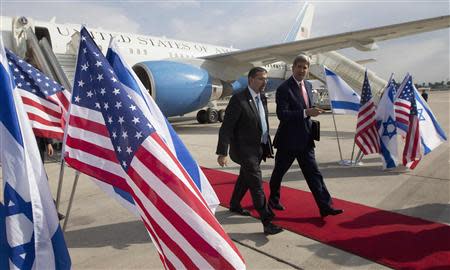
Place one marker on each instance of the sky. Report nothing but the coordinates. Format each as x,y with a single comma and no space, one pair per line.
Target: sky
248,24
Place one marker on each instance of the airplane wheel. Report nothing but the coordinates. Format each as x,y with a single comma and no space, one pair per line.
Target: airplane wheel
202,117
213,115
221,115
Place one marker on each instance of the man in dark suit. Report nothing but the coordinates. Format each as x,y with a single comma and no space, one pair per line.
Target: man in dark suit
425,95
245,129
293,139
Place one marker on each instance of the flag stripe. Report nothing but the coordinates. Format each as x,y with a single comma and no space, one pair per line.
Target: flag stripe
43,121
39,106
190,183
172,182
203,211
103,175
63,98
92,148
88,125
33,99
48,134
170,235
164,253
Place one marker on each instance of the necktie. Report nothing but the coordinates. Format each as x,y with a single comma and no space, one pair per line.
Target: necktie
262,118
304,93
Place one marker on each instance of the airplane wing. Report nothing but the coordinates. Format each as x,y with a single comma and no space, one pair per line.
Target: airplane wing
362,39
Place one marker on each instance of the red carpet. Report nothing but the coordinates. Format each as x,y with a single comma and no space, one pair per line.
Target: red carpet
388,238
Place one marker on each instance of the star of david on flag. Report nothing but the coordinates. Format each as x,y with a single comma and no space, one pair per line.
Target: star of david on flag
431,132
387,126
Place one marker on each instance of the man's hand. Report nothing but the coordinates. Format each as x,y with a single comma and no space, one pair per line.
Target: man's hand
313,111
222,160
49,150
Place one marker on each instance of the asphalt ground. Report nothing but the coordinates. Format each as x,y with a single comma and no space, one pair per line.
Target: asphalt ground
101,234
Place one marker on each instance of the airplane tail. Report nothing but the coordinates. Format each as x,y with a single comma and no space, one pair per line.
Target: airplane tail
302,25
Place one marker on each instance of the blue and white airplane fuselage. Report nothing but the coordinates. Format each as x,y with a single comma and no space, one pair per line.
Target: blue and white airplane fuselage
184,76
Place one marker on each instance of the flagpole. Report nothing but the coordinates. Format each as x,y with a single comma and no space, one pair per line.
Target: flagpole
337,136
353,151
72,194
359,157
60,181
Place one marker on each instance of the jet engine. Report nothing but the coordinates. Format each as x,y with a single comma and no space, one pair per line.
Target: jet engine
178,88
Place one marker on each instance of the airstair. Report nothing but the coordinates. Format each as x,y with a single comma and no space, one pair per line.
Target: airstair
25,43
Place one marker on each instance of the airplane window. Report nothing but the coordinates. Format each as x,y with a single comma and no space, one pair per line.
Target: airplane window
138,51
145,51
131,50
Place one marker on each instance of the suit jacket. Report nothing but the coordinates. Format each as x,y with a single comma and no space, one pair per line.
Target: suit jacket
241,130
294,130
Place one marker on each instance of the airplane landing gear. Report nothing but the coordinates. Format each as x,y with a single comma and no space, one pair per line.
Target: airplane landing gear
213,115
202,118
210,115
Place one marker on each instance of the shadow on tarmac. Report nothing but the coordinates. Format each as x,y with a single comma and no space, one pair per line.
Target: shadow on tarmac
258,238
333,255
430,211
118,235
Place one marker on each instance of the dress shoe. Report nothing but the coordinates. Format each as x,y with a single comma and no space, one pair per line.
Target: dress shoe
331,211
270,228
276,206
240,211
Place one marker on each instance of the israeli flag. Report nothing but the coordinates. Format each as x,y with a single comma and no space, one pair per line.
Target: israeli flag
387,127
344,100
34,237
431,133
146,103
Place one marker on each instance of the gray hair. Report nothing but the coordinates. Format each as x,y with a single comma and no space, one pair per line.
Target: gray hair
302,58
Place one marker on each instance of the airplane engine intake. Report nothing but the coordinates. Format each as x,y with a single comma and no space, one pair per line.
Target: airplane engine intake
178,88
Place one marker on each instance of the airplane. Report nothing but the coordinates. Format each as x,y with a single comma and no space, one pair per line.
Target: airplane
184,76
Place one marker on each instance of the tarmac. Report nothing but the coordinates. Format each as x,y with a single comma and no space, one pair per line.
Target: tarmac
101,234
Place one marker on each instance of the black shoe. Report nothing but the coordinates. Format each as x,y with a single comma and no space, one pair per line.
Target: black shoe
240,211
61,216
331,211
276,206
270,228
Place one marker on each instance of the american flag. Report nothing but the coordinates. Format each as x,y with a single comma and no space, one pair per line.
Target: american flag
109,138
367,137
406,115
46,102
